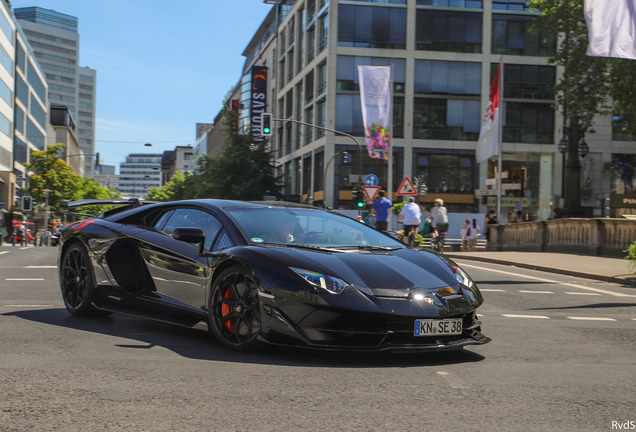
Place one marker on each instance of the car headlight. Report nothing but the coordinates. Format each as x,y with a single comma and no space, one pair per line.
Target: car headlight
463,278
328,283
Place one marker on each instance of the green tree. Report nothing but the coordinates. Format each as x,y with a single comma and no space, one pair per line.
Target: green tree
243,171
175,189
51,172
582,92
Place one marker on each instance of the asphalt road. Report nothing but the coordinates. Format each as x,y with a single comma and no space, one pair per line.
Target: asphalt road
562,359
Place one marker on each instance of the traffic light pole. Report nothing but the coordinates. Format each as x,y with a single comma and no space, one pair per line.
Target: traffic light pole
336,132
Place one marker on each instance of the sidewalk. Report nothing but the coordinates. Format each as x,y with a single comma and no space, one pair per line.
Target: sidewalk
608,269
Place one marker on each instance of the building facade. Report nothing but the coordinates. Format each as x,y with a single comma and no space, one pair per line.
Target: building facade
7,87
139,173
444,55
56,44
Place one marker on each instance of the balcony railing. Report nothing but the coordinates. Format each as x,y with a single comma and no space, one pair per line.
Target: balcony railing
322,87
322,44
310,54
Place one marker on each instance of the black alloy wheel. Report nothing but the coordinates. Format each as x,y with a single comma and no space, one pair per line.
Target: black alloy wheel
77,281
234,311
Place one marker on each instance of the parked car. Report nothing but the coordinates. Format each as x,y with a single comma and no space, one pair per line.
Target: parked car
279,273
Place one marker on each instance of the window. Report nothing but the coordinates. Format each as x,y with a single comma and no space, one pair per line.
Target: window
470,4
6,27
34,136
50,37
21,91
86,105
57,68
38,113
61,88
86,96
324,33
84,131
528,123
19,119
223,242
372,27
86,78
50,47
54,58
5,92
347,73
446,173
20,58
446,119
62,97
36,82
19,150
527,81
403,2
442,77
511,35
5,125
513,5
6,60
439,30
53,77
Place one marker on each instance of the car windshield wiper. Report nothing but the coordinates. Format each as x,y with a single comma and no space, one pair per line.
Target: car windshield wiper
382,248
304,246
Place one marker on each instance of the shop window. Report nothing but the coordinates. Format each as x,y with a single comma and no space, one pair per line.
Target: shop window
447,173
511,35
439,30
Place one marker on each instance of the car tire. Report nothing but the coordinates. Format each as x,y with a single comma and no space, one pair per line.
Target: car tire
77,282
234,316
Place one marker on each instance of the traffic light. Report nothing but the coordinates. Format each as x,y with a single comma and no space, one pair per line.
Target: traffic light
27,203
266,124
358,197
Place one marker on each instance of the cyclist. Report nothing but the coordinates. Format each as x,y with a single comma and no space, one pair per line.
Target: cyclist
412,216
439,216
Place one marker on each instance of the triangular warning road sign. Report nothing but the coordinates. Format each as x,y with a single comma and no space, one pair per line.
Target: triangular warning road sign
371,191
406,188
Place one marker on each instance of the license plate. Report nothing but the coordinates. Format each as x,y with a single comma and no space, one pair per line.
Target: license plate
429,327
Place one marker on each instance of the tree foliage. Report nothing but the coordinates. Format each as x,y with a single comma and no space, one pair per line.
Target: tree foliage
243,171
583,90
50,171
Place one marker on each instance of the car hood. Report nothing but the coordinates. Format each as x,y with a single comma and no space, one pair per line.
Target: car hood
399,269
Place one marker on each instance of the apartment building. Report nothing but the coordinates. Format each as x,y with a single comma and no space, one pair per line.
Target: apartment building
139,173
444,55
55,41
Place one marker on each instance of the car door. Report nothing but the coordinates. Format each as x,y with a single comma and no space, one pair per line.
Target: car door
176,269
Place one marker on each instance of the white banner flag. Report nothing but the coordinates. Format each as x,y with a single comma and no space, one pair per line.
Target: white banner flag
611,26
488,144
375,97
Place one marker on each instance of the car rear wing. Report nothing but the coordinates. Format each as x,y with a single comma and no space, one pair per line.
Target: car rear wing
67,206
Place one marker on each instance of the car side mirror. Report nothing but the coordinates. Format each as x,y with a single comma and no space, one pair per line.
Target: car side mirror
191,235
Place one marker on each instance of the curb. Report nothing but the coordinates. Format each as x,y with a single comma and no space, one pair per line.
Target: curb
622,281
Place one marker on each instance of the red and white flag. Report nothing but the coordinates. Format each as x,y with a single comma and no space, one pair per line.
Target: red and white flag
611,26
488,144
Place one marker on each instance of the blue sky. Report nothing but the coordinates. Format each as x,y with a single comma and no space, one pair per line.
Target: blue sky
162,66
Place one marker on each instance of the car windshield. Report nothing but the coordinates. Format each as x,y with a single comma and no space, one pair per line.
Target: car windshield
307,227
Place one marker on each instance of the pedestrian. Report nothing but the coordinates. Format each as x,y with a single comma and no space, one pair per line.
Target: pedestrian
464,233
381,211
518,217
412,216
472,235
490,219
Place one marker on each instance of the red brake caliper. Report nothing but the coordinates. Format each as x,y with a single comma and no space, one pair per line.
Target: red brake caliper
225,310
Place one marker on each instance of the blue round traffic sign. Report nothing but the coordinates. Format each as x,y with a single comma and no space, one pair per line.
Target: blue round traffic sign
371,180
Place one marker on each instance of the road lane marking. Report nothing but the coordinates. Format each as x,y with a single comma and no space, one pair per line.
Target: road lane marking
23,248
23,279
536,292
525,316
491,290
590,319
4,252
41,267
587,294
602,291
26,306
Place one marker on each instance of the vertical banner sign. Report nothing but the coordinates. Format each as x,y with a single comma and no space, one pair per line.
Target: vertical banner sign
375,97
258,101
489,139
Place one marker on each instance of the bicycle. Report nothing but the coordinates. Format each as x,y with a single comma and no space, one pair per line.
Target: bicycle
437,243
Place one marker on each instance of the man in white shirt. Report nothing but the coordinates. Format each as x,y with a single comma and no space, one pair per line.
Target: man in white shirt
412,216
